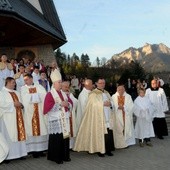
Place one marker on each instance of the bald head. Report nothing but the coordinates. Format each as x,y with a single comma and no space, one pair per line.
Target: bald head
88,84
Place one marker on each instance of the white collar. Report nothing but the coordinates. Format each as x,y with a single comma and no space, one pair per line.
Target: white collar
9,90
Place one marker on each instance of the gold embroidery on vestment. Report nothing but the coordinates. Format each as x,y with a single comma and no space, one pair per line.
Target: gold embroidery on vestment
121,102
35,118
20,121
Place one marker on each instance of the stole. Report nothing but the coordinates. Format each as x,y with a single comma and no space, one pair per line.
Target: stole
20,121
35,118
63,118
121,102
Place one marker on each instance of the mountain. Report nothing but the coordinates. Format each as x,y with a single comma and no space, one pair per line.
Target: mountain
153,57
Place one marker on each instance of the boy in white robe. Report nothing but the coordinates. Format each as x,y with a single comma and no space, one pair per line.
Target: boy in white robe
144,112
36,74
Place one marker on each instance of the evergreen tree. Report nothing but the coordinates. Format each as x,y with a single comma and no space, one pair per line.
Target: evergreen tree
60,57
133,70
98,61
85,60
103,61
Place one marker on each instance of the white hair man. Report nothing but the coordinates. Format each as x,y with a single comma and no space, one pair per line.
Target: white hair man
82,100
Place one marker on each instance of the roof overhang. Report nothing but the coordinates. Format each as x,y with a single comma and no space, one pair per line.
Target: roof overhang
16,32
21,24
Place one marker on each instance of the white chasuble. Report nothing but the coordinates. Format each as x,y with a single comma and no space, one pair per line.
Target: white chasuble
82,101
4,149
123,129
90,136
35,121
12,124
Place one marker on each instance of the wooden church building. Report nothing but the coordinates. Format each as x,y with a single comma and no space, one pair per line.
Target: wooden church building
30,29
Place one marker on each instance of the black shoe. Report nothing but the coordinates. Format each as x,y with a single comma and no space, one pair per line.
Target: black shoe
101,155
6,161
149,144
67,160
109,153
35,155
41,154
22,158
160,137
59,162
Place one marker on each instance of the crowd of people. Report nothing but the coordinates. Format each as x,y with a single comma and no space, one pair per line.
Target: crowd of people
43,115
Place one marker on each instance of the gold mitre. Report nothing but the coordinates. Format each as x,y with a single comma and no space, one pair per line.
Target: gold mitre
55,76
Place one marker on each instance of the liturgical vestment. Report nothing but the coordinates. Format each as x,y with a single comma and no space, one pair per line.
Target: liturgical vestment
94,123
35,122
144,111
123,129
82,101
12,124
58,126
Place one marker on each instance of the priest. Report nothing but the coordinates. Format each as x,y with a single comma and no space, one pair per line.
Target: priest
12,123
159,101
56,106
36,123
70,97
95,134
82,101
123,119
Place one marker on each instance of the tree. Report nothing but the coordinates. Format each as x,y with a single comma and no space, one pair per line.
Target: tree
97,61
137,71
132,70
74,59
85,60
60,57
68,60
103,61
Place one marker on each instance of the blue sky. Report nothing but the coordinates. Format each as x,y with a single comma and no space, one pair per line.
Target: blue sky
102,28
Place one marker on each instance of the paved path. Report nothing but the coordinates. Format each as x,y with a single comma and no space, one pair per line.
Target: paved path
133,158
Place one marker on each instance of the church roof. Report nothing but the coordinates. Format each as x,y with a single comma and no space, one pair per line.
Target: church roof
46,24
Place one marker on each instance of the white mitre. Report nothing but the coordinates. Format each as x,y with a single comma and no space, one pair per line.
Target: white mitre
55,75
